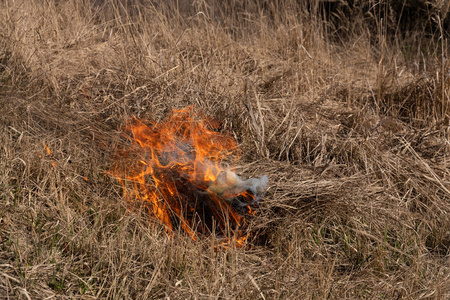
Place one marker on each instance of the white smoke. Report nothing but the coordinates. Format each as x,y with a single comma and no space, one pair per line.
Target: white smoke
228,185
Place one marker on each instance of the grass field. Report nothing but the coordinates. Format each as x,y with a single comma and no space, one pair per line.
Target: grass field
348,117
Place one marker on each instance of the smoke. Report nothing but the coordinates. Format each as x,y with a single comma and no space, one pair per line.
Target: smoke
228,185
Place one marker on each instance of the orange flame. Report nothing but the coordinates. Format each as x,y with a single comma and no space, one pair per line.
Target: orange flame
49,152
170,168
47,149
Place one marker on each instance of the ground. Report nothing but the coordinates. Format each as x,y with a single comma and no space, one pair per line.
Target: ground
348,118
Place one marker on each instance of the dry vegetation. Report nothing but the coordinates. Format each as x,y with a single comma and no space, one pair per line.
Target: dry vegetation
349,119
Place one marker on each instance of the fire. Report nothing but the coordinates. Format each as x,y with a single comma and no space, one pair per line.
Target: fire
47,149
49,152
180,169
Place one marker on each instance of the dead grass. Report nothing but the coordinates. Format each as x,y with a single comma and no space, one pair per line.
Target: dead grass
352,130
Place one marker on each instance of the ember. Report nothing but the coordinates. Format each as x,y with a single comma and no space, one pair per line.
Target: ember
180,170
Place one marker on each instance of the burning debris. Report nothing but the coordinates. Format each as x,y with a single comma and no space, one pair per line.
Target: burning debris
180,170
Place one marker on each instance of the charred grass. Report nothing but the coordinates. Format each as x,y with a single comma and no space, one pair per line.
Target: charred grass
351,126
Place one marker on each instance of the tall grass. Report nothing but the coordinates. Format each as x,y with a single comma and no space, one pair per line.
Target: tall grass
343,107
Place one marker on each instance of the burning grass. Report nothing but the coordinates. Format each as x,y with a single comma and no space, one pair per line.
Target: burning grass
352,130
181,170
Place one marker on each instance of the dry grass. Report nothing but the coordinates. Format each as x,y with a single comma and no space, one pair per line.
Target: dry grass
352,130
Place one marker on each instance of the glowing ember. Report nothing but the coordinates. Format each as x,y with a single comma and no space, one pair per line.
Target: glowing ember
180,170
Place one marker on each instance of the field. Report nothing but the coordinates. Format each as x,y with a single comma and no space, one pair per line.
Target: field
349,117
